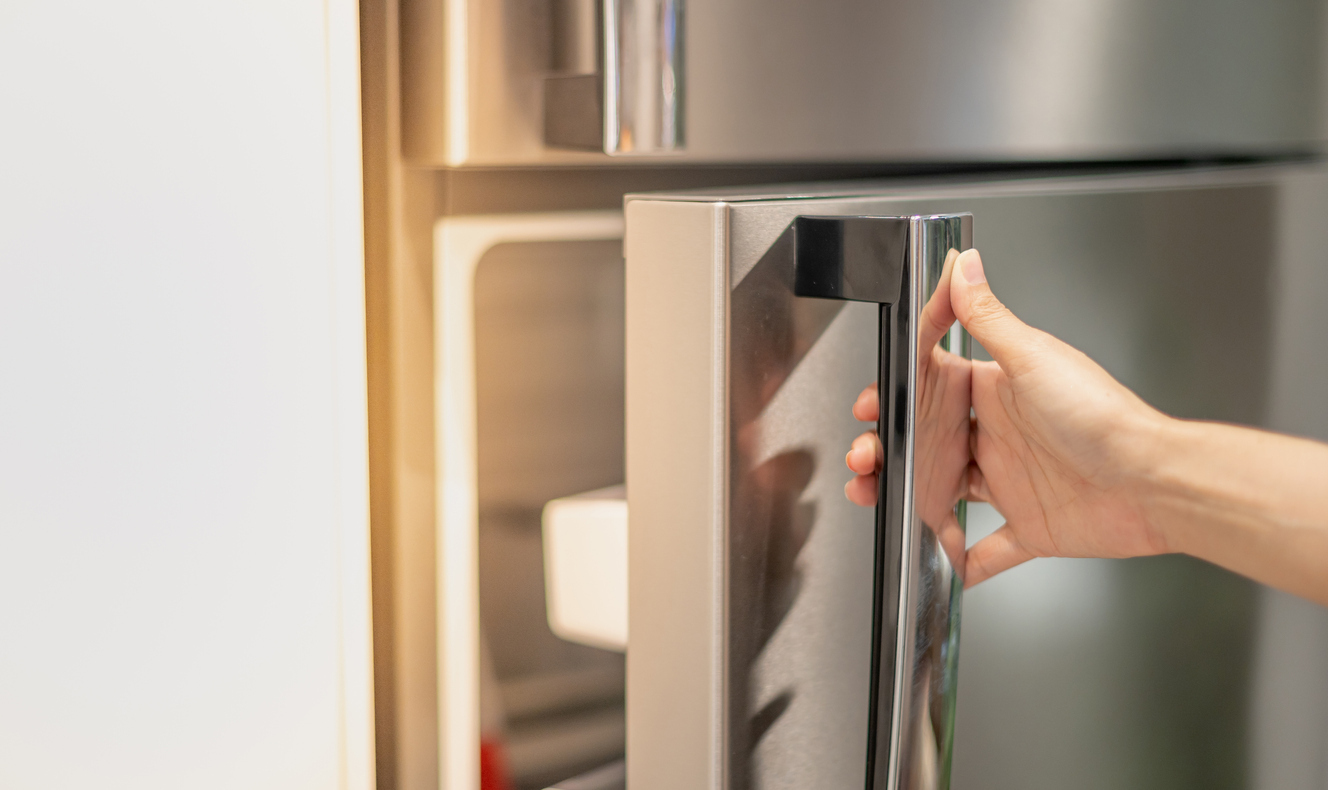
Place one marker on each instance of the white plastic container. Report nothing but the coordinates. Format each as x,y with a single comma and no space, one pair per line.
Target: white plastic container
585,567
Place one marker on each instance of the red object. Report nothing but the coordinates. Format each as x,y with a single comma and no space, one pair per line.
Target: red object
493,766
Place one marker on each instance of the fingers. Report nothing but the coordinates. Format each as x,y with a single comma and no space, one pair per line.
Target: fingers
862,490
1004,336
865,456
999,551
867,407
938,314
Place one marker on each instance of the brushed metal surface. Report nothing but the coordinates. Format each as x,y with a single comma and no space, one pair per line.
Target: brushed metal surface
947,80
1084,673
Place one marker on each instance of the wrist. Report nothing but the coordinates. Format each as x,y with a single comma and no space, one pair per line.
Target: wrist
1157,443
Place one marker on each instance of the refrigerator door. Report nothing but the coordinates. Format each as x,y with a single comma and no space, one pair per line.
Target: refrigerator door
751,577
494,82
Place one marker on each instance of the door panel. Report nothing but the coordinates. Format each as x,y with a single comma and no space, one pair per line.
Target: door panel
907,80
1091,673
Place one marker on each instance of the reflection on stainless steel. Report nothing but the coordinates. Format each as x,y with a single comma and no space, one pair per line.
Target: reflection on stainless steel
907,80
777,496
751,577
643,76
624,96
935,460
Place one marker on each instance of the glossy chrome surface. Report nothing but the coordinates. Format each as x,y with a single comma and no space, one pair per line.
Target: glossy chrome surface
900,264
863,80
751,576
934,456
643,76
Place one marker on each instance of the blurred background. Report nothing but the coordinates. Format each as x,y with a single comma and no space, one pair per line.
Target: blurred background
308,311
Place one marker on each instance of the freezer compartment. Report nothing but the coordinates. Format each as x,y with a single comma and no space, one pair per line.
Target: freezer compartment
491,82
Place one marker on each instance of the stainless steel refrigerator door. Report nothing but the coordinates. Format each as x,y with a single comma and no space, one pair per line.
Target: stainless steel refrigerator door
751,576
858,80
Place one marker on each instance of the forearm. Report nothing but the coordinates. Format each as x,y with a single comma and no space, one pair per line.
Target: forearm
1250,501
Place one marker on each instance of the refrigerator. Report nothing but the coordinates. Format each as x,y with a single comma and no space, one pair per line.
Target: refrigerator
596,208
749,661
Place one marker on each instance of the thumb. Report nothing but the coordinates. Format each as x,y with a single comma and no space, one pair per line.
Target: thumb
991,323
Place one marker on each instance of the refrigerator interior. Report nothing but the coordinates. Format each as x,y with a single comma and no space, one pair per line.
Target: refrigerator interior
549,398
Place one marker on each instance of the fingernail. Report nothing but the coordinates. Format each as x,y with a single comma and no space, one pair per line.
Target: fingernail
971,265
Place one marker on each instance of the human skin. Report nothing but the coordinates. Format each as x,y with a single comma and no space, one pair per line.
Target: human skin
1080,466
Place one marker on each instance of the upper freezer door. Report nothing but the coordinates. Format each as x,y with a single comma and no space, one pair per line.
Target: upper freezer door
495,82
756,637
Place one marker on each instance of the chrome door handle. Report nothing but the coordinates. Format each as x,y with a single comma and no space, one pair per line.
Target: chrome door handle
896,262
643,76
633,100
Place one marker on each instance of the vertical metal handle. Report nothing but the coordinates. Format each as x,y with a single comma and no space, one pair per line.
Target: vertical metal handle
896,262
890,574
627,95
643,76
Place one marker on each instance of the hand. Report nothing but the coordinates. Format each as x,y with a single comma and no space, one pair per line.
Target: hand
941,433
1058,446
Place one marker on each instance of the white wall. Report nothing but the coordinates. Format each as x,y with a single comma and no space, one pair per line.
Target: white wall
183,495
